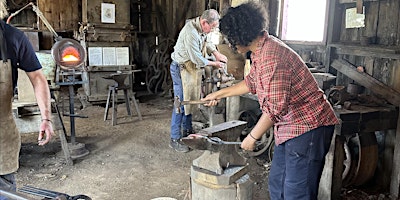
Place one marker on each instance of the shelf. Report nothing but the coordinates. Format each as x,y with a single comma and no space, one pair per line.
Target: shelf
367,51
102,68
354,1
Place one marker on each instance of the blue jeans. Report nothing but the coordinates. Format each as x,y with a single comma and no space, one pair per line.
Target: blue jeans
179,120
297,165
7,182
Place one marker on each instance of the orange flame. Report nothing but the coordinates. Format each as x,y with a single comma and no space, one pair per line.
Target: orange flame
70,54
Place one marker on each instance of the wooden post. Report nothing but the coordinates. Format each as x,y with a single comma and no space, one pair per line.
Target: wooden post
395,181
359,5
331,178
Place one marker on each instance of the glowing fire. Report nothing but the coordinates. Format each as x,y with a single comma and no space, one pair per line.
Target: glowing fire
70,58
70,54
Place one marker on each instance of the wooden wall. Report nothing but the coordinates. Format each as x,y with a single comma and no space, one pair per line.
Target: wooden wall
382,28
380,57
63,15
168,16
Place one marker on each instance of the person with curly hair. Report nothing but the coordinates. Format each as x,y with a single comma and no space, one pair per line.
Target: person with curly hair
290,101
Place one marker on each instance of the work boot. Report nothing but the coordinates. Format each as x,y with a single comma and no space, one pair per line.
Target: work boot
177,146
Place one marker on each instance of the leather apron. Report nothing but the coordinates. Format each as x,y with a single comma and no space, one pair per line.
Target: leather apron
191,84
10,140
191,77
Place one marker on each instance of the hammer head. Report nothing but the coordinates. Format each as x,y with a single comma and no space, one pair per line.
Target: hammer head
177,104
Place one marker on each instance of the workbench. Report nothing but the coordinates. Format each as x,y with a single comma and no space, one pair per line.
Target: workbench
361,120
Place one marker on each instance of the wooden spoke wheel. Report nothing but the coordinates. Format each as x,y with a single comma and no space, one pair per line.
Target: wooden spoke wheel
265,141
364,159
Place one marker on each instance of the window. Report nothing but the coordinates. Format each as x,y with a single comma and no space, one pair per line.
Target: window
303,20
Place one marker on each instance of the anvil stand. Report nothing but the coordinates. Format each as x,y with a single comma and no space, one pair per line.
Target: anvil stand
76,150
119,84
220,172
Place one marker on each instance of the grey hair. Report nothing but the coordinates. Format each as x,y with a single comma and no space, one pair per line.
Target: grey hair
3,9
210,15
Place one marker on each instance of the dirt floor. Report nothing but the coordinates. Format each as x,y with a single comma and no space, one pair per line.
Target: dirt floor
131,160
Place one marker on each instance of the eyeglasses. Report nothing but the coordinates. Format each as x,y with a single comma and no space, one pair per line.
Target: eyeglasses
213,27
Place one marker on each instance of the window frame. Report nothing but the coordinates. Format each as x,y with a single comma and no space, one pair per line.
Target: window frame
282,24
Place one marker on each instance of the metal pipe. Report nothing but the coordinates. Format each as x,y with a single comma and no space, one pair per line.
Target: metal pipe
12,195
39,14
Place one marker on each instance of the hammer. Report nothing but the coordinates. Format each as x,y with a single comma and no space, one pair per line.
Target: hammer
178,103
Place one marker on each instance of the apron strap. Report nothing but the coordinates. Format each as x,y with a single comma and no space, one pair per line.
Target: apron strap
3,44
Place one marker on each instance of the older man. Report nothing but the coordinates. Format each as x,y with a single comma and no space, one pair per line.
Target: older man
190,54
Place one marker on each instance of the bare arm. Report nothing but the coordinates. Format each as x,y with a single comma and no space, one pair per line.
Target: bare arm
237,89
42,93
262,126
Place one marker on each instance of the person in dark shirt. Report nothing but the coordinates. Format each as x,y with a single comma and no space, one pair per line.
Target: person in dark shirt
17,52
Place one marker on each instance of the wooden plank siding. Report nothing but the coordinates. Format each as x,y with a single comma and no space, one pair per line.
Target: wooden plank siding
380,58
388,25
63,15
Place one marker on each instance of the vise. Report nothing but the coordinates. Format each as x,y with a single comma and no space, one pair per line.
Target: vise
220,172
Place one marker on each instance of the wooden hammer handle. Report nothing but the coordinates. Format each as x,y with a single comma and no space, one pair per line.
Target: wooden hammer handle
193,102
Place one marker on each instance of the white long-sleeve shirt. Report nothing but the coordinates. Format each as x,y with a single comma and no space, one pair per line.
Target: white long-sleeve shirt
190,43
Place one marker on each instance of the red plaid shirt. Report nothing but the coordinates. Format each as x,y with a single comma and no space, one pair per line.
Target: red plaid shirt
287,91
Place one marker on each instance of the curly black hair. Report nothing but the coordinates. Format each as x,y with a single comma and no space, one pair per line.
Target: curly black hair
244,23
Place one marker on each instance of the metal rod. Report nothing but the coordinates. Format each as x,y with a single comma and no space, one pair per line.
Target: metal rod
11,195
38,192
71,112
41,16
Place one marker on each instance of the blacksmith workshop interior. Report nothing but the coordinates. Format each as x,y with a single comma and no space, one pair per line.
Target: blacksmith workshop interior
111,108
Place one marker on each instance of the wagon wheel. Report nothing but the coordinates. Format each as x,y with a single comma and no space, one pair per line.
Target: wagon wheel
346,161
364,154
265,141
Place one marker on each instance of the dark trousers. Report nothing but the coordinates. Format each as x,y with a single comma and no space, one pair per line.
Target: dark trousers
297,165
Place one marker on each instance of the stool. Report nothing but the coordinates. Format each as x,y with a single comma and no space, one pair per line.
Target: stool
119,84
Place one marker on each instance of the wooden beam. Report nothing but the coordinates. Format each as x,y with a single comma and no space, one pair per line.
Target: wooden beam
367,81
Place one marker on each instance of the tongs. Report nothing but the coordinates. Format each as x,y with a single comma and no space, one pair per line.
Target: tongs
51,194
216,140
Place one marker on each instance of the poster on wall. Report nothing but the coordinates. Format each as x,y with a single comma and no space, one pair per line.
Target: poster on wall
109,57
95,56
107,13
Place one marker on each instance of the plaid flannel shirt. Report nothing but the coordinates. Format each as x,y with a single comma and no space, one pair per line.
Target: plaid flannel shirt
287,91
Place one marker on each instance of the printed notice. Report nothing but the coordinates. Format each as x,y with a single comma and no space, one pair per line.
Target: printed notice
109,56
95,56
122,54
